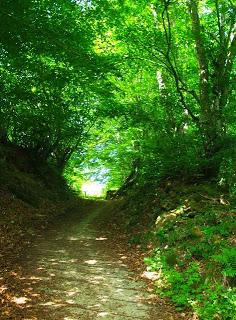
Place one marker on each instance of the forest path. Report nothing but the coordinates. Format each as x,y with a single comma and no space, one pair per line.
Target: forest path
74,271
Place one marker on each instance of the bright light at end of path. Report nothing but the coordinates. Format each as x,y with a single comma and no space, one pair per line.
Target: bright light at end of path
92,189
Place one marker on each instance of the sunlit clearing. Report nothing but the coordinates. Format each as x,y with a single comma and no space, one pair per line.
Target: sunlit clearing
92,189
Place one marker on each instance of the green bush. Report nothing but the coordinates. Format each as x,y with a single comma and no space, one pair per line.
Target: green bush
195,255
227,260
188,287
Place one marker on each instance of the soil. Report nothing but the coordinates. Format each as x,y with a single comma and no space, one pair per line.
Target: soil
79,269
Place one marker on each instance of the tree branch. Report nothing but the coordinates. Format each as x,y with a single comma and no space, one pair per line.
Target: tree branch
167,28
220,27
172,67
201,53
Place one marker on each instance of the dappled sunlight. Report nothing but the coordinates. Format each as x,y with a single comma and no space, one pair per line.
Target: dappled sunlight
91,262
73,260
96,306
103,314
119,290
40,268
73,238
99,278
2,289
101,239
20,300
51,303
72,293
70,302
76,276
117,144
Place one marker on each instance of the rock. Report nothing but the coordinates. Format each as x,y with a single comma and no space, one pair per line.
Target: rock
153,276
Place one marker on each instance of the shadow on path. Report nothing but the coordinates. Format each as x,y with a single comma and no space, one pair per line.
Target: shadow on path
73,272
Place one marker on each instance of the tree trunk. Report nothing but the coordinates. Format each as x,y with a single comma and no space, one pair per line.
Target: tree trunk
213,88
3,136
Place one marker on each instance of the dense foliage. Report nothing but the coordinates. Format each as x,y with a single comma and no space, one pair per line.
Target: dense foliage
174,89
187,233
162,71
51,78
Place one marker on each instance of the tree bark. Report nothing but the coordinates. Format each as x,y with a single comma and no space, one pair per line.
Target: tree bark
214,88
3,136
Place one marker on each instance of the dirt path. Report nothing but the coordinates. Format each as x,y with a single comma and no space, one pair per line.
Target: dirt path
74,272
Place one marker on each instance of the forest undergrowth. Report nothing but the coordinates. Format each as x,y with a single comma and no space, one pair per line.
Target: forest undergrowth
186,232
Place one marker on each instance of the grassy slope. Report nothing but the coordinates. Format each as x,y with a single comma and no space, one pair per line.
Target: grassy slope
30,196
191,230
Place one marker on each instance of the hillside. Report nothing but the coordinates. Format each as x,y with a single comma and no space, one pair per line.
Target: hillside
31,195
187,235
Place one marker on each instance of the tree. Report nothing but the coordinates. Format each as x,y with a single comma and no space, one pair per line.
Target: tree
50,76
159,73
176,39
215,62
